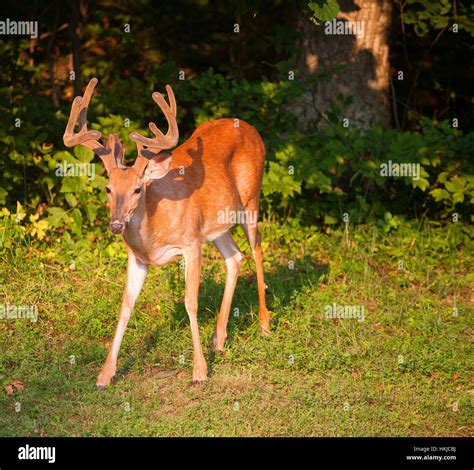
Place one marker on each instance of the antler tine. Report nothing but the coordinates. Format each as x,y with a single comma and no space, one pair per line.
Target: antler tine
79,114
172,99
161,141
85,137
113,143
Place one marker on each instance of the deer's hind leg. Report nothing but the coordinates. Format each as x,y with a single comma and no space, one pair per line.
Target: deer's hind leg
233,259
250,227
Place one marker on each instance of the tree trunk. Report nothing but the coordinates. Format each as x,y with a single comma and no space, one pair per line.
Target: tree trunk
364,51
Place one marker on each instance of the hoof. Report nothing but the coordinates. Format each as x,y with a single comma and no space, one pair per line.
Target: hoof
265,330
103,382
199,376
218,347
220,350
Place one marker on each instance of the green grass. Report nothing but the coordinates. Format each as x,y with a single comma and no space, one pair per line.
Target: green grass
392,375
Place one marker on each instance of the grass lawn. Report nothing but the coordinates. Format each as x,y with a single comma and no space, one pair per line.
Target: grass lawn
403,371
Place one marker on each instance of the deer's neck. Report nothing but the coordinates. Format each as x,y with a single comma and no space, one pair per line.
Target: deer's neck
135,233
148,245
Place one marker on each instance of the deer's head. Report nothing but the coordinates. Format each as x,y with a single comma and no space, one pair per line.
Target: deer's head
127,185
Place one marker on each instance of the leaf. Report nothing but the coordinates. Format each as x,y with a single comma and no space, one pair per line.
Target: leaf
20,212
324,10
71,199
455,376
421,29
91,211
320,181
279,181
3,195
83,154
39,229
49,182
458,197
421,183
439,194
56,214
330,220
99,182
18,385
72,185
443,176
77,217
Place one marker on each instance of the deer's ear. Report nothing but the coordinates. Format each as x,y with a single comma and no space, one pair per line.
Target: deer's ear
158,167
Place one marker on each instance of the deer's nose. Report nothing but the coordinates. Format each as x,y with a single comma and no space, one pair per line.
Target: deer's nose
117,227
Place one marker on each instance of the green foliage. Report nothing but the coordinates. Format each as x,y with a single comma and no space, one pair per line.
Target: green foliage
324,10
425,15
317,175
323,173
342,168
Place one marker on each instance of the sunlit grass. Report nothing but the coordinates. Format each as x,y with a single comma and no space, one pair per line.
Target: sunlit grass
403,371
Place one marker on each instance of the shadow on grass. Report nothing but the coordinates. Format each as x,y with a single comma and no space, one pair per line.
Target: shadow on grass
284,282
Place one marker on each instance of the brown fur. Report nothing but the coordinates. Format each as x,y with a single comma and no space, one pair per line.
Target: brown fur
219,167
167,205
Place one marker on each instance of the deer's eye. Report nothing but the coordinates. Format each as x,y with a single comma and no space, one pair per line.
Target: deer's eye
107,190
137,190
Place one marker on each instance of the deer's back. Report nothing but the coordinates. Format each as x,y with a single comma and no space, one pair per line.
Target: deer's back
218,169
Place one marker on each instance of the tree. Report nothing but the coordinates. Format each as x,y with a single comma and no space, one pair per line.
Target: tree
355,46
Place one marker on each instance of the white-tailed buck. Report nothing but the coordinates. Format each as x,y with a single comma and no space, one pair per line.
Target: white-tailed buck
170,203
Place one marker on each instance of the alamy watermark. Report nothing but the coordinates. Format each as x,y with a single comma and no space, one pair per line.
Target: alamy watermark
28,452
340,27
228,216
75,169
10,27
411,170
19,311
345,311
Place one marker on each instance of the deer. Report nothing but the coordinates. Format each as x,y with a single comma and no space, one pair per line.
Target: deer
170,202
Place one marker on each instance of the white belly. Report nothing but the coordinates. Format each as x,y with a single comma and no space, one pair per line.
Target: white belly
165,254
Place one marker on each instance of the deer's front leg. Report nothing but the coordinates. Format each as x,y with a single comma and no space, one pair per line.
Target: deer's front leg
136,273
192,259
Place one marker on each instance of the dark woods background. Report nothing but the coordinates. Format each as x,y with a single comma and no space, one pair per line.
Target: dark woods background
331,108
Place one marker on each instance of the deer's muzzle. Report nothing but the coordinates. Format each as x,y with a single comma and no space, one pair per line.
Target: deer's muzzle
117,227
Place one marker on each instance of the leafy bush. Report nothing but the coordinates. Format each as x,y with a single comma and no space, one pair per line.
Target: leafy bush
337,170
315,175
